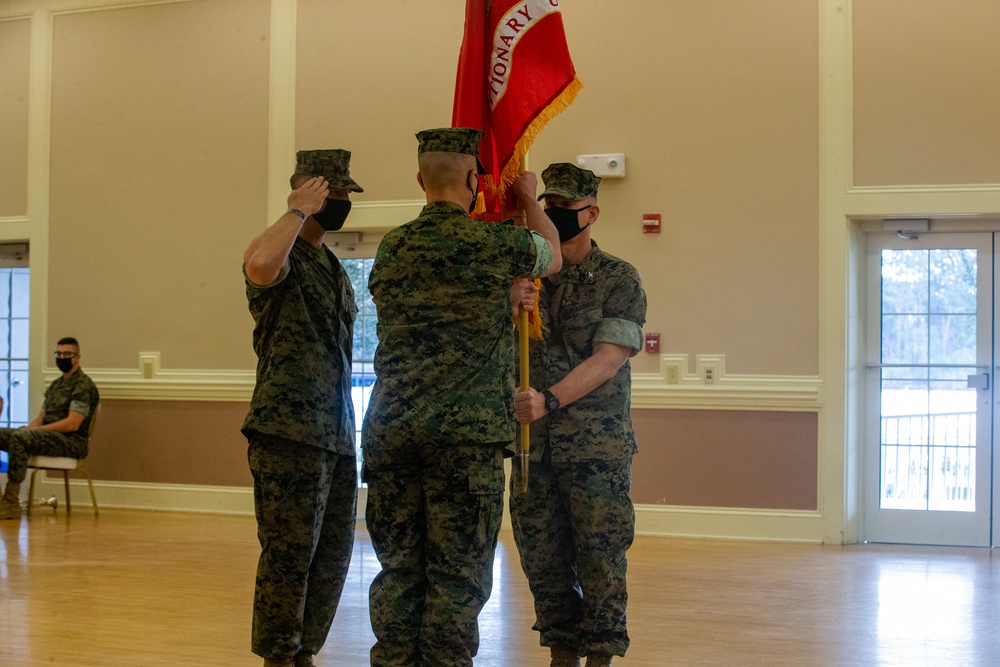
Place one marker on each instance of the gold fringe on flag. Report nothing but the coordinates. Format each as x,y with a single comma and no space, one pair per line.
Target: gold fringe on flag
515,166
535,327
554,108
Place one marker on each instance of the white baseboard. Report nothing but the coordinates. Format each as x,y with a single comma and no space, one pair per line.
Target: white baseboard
651,520
144,496
729,523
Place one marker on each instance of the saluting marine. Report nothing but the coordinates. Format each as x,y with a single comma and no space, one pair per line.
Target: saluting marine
300,426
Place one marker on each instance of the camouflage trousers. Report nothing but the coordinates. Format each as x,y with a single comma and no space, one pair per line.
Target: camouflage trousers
572,529
305,501
20,443
433,515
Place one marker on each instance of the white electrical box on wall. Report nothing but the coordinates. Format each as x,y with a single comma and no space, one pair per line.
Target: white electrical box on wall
605,165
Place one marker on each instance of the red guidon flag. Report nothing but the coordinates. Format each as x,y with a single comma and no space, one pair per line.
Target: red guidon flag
514,74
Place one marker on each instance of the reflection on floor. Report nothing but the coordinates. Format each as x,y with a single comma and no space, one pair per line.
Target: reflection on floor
158,589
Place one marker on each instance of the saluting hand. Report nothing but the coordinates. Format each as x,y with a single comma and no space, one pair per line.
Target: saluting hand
310,197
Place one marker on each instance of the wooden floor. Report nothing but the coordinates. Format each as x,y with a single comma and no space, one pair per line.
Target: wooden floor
155,588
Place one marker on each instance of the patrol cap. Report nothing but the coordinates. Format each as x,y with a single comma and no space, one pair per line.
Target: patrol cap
570,181
463,140
333,164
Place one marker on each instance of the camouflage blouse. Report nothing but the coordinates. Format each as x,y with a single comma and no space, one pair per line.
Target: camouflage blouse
598,300
444,365
77,393
303,339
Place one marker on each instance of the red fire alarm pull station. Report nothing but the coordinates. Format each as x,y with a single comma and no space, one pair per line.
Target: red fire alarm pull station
652,342
650,223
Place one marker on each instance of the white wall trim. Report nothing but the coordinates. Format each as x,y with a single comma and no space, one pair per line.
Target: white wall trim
381,216
674,388
921,201
836,173
149,382
20,9
791,393
771,393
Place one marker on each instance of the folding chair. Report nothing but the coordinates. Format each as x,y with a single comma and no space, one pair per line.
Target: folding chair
64,464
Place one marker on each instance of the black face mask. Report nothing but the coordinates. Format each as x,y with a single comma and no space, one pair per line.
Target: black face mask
566,220
64,364
333,216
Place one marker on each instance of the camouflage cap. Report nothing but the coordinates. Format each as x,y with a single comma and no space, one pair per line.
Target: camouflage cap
569,181
463,140
333,164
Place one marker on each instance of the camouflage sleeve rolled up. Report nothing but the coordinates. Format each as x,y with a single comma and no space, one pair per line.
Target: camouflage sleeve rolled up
257,289
543,256
77,393
623,312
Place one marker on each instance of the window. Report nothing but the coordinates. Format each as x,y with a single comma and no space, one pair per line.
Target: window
14,302
365,341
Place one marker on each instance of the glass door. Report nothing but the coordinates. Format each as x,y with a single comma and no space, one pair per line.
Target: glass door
927,459
14,311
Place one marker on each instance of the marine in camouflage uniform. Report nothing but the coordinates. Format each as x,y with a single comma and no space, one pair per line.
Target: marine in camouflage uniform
60,429
441,413
300,425
576,521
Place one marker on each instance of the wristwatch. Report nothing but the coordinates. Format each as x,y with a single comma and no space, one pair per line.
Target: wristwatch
551,402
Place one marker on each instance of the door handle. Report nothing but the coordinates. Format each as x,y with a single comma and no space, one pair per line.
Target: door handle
978,381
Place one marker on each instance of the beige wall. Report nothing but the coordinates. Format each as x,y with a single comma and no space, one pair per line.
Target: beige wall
158,161
159,173
926,92
158,179
369,77
718,119
14,45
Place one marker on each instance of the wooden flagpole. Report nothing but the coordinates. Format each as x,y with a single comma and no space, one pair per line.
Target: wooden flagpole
522,331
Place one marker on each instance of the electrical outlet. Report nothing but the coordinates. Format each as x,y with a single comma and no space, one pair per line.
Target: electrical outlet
674,367
711,368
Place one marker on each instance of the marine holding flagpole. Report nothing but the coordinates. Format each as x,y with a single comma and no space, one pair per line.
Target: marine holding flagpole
441,418
576,522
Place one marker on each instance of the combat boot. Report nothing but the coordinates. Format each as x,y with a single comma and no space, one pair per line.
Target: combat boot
598,660
10,504
13,493
564,656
